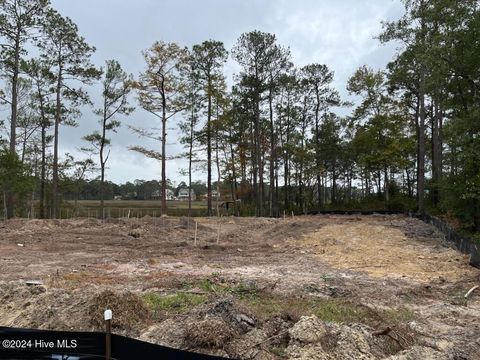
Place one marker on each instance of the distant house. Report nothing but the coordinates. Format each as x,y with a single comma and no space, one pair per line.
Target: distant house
183,194
156,195
214,195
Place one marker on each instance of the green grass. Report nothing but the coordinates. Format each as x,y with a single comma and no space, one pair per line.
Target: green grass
329,310
176,303
240,290
279,351
266,304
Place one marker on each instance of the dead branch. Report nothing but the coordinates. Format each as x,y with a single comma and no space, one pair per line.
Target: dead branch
469,292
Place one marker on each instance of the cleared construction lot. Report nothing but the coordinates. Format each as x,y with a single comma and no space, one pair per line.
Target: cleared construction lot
326,287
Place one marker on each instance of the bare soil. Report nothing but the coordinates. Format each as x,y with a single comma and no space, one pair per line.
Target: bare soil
312,287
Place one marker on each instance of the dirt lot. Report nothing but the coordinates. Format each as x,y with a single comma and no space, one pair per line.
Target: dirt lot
314,287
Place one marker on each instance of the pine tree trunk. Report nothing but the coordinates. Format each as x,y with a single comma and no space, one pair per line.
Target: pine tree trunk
42,172
190,155
10,206
164,150
421,153
318,158
436,153
102,161
386,184
209,150
272,199
258,156
234,176
217,161
58,116
334,182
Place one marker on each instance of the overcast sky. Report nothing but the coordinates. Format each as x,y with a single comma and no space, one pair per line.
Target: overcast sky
338,33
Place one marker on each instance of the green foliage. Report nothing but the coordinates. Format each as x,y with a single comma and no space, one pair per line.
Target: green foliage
14,176
63,48
176,303
19,20
441,54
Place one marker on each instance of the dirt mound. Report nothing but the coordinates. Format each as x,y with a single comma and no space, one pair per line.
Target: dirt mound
237,317
308,330
136,233
420,352
209,334
42,308
282,230
312,338
129,311
276,329
170,332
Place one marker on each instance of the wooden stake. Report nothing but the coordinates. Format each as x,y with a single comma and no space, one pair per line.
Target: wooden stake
195,239
108,334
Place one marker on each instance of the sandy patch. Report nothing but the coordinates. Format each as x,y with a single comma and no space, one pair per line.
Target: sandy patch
384,251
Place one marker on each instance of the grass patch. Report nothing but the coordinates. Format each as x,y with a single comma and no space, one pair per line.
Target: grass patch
240,290
329,310
90,278
342,312
399,315
176,303
279,351
265,304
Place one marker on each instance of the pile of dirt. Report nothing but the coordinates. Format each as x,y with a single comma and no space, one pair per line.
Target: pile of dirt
312,338
43,308
209,334
239,318
220,327
129,311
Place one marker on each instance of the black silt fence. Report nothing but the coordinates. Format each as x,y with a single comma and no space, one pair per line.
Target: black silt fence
24,344
462,243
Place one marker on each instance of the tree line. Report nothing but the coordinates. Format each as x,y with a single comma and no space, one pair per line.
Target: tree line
89,189
274,138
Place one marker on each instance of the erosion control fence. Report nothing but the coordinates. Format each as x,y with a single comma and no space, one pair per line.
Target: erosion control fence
463,243
21,344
